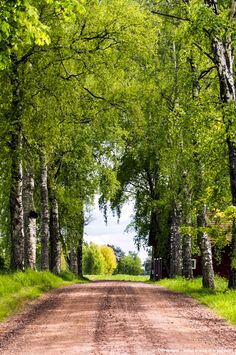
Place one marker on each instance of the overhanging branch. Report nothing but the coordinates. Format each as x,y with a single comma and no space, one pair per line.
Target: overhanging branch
171,16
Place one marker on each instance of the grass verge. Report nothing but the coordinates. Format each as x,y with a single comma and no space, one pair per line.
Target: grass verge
118,277
21,286
221,300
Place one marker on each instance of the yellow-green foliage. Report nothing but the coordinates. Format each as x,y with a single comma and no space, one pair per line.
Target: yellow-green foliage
222,301
119,277
98,260
110,259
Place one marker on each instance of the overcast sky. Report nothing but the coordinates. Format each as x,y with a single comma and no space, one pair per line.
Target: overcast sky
112,233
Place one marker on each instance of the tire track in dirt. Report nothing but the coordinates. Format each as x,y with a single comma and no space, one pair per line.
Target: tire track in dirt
116,318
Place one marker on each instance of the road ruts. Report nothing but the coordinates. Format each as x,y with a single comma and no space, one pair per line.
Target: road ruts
104,318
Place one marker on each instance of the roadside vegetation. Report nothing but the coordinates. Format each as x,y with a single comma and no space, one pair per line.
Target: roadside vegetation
221,300
119,277
18,287
110,260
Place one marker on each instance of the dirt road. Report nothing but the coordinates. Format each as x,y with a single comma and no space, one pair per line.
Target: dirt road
116,318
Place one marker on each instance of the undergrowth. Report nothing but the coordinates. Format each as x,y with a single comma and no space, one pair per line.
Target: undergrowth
17,287
221,300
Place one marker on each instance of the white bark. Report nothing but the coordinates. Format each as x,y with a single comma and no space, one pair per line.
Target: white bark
44,228
29,218
176,260
16,208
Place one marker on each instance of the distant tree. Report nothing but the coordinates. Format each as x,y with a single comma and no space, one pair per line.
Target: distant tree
130,265
118,252
110,259
93,260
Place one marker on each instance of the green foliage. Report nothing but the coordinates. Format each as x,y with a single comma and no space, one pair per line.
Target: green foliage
119,277
98,260
93,260
109,258
130,265
220,300
18,287
67,275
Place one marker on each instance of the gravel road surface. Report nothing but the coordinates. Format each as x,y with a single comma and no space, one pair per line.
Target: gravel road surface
116,318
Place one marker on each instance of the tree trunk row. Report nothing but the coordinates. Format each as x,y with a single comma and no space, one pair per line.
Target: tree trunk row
23,216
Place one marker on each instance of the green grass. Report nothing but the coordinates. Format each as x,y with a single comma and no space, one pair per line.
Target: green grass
21,286
118,277
222,300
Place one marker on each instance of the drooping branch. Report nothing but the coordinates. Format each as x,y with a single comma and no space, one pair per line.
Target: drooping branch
202,50
171,16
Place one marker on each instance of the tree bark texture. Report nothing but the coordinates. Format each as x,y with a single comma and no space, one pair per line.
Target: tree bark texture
29,218
73,261
16,204
154,231
176,260
187,257
206,251
80,246
224,61
80,258
44,228
55,249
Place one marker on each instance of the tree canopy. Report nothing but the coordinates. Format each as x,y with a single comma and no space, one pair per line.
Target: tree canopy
126,99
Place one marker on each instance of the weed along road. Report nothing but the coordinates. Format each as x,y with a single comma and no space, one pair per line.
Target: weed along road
116,318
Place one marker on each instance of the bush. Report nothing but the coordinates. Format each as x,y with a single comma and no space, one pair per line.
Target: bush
109,258
130,265
93,260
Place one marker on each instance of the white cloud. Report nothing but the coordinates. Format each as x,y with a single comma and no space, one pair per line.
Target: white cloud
112,233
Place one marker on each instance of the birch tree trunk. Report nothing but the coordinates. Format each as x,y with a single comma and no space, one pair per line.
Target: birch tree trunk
224,60
206,252
187,257
80,246
44,228
16,204
187,221
176,260
153,241
29,218
203,240
55,249
80,257
73,261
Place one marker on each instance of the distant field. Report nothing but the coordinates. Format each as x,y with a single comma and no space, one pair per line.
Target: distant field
118,277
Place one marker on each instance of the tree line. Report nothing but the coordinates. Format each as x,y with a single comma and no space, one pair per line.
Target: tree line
125,99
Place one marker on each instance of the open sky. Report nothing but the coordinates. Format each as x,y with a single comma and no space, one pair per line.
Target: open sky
112,233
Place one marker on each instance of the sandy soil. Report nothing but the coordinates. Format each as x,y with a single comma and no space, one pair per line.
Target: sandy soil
116,318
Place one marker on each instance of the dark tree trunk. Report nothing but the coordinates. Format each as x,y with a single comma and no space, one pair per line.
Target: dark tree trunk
154,232
187,239
16,205
29,218
176,260
55,249
224,60
206,252
80,258
232,169
187,257
155,253
80,246
44,228
73,261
